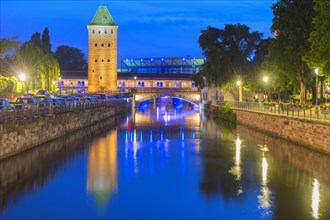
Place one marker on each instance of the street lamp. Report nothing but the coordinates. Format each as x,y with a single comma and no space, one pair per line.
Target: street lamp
22,77
266,80
317,74
59,84
134,81
240,92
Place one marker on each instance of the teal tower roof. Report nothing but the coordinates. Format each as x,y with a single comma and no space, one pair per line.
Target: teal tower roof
103,17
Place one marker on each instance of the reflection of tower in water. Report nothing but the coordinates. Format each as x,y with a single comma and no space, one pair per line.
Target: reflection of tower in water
102,168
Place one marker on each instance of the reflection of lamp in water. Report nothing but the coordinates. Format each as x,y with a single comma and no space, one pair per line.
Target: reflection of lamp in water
236,170
102,168
316,198
264,198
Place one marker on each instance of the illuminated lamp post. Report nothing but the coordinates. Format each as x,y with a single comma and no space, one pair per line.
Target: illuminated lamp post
240,91
135,81
317,74
266,80
22,77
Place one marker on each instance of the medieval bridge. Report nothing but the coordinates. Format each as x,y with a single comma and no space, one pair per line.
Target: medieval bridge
191,95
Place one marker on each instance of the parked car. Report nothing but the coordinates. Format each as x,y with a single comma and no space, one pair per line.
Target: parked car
43,92
44,101
5,105
26,101
59,104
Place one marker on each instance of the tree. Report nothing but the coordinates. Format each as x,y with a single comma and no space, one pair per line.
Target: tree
319,54
228,53
292,24
70,58
45,40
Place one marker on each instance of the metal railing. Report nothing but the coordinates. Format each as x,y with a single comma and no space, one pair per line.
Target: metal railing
314,113
25,111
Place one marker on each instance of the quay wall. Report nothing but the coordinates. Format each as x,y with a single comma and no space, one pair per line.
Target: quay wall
20,135
310,133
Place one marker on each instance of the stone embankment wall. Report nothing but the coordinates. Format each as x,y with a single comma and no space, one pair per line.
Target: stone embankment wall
312,134
21,135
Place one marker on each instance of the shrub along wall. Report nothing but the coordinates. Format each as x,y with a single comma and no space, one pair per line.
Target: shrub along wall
21,135
313,134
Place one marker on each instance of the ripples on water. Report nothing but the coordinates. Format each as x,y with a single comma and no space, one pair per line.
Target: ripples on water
166,161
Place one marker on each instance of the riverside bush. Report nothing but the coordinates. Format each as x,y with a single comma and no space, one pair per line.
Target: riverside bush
224,113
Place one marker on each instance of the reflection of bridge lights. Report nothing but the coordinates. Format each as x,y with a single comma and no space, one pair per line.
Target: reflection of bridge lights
150,135
316,198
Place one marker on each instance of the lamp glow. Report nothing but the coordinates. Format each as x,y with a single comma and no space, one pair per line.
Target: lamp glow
265,78
22,77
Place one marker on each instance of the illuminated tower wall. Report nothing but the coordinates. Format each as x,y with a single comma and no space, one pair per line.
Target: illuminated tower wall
102,52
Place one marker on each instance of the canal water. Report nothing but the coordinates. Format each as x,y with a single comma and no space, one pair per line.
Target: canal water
166,161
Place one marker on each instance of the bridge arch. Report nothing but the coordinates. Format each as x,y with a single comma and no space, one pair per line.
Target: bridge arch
193,98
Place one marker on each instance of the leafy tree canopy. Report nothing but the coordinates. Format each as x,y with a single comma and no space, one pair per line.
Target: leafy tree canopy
70,58
228,53
319,55
292,24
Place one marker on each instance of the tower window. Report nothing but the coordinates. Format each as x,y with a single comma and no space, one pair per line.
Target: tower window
95,45
100,77
108,60
93,31
111,31
99,31
108,45
102,60
93,71
102,45
96,60
105,31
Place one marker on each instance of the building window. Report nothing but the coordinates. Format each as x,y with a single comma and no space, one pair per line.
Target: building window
108,60
139,84
105,31
93,71
161,84
95,45
93,31
102,45
108,45
111,31
79,83
99,31
123,84
157,84
82,83
100,77
142,84
102,60
193,85
96,60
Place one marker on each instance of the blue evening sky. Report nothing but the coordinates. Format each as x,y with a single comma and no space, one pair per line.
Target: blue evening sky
146,28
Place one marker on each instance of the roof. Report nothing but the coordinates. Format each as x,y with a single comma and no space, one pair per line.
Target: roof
103,17
154,76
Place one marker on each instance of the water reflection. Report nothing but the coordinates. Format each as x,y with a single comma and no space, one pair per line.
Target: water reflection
316,199
264,198
236,169
102,168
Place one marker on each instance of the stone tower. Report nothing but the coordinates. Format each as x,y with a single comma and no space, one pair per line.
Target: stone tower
102,52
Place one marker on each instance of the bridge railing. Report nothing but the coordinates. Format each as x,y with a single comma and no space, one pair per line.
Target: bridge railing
314,113
161,90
